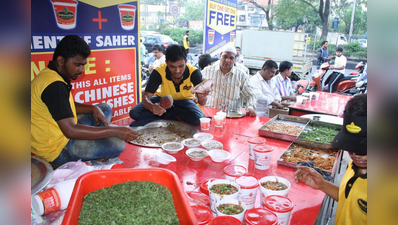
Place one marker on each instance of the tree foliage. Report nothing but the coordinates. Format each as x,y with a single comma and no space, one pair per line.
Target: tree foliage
294,13
322,8
194,10
267,10
343,9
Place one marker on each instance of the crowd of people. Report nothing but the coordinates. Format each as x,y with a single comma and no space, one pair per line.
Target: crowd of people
63,130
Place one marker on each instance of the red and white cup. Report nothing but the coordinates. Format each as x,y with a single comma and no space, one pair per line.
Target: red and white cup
248,189
281,206
65,13
127,16
260,216
253,142
232,172
262,156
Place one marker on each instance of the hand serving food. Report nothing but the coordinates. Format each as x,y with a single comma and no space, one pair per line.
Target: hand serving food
204,87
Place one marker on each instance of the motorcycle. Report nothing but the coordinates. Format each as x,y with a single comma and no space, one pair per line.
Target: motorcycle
361,86
343,87
144,75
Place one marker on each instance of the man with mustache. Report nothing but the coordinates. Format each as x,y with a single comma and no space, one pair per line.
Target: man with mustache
175,78
352,192
63,130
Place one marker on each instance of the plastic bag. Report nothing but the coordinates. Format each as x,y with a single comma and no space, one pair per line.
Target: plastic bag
70,170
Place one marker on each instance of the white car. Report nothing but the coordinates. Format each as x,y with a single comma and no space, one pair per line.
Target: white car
363,43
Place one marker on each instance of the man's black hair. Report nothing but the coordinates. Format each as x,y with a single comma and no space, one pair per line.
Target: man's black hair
237,47
270,64
187,31
157,47
71,46
323,42
285,65
357,106
175,53
339,49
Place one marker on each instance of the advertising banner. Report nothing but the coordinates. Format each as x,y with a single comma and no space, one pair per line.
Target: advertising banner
110,27
220,29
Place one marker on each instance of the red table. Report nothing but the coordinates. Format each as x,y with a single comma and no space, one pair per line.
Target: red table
234,136
328,103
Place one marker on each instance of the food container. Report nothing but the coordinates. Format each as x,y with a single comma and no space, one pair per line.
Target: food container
203,214
196,154
164,158
223,115
266,192
218,120
203,136
228,201
232,172
216,197
248,189
211,144
106,178
289,122
225,220
262,156
204,187
199,198
281,206
191,142
204,123
253,142
219,155
260,216
172,147
318,134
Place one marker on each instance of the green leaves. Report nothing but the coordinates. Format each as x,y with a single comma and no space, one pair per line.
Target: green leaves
138,202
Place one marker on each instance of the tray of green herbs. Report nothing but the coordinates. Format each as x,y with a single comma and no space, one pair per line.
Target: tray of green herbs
137,202
318,134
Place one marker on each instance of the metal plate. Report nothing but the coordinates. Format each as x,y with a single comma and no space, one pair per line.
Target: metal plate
235,114
286,119
156,133
317,144
41,174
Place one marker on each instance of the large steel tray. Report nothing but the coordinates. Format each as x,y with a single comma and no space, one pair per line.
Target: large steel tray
41,174
286,119
333,130
156,133
330,172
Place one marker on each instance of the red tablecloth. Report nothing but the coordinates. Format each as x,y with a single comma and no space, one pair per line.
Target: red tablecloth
234,136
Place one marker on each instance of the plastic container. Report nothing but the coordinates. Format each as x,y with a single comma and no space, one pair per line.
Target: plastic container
260,216
53,199
199,198
253,142
164,158
166,148
189,151
203,214
218,155
262,156
248,189
223,115
266,192
204,186
231,172
212,144
203,136
239,216
204,123
281,206
214,197
106,178
225,220
191,142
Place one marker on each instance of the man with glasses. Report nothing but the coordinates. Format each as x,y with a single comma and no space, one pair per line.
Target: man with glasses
231,84
266,92
283,82
159,57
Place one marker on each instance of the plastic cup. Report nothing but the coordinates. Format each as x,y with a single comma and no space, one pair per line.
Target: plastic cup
239,216
127,16
214,197
253,142
316,96
281,206
260,216
301,100
65,13
248,190
266,192
218,121
262,156
224,116
204,123
232,172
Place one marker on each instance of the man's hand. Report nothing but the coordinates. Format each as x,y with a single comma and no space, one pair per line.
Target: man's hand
126,134
99,116
157,109
251,112
329,57
309,176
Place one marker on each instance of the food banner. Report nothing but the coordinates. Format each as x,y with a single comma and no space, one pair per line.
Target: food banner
111,29
220,29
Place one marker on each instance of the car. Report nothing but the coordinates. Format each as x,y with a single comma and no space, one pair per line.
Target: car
145,33
163,40
363,43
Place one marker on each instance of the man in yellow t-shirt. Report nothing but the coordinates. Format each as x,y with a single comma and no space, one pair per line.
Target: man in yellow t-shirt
352,193
186,41
176,78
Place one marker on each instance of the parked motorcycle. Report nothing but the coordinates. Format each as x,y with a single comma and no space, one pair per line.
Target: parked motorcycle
144,75
343,86
361,86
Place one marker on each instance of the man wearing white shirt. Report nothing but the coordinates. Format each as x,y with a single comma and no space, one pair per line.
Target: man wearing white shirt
231,84
283,82
159,57
338,71
266,92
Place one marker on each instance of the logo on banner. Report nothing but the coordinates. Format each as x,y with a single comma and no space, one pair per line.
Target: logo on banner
221,18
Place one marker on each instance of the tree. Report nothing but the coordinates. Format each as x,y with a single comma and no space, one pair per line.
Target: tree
194,10
322,8
266,10
294,13
343,9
